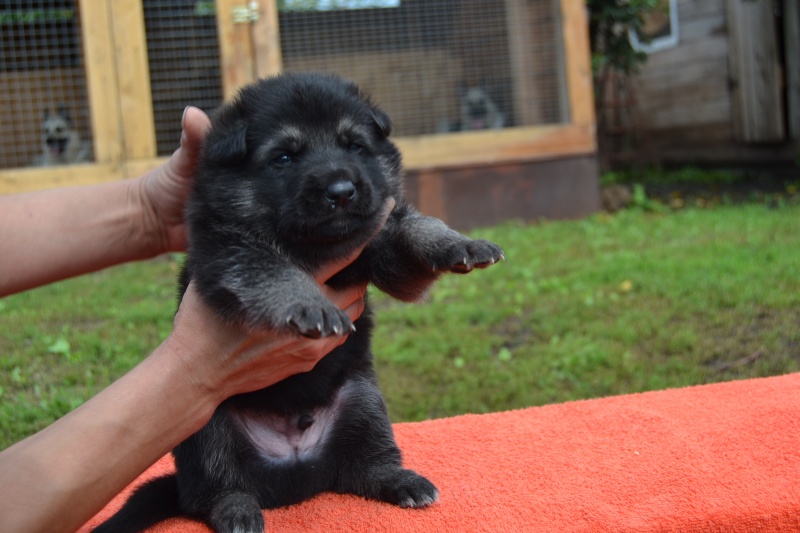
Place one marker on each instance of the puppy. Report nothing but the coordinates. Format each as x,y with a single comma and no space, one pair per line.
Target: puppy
293,174
61,142
479,112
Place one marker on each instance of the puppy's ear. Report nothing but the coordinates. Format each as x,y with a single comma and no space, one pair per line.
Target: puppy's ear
229,144
382,121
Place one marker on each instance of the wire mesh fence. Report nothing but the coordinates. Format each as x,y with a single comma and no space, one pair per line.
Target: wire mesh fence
436,66
44,112
183,52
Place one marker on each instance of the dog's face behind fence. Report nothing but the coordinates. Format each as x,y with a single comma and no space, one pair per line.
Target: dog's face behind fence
296,160
56,134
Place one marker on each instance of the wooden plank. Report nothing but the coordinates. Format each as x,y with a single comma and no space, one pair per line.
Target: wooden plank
577,55
431,201
791,37
35,179
698,29
267,40
424,153
136,102
101,80
237,60
522,62
713,48
754,72
490,147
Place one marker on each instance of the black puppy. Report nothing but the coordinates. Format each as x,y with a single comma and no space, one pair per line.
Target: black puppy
294,173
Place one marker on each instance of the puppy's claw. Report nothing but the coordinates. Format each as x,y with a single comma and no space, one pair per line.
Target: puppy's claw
352,328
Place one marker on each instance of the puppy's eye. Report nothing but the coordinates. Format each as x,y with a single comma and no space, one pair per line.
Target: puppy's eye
355,148
283,160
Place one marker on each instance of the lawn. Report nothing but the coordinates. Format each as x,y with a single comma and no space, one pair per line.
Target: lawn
611,304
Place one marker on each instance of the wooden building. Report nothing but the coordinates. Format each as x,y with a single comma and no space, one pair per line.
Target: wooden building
125,69
728,89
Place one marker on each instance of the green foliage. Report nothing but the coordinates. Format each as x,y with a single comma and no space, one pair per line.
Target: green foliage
607,305
609,24
687,175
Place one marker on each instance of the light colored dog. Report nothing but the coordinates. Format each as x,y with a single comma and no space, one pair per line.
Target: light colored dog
61,141
479,112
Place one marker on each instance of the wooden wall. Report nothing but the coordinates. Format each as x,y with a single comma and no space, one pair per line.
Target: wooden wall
691,97
683,91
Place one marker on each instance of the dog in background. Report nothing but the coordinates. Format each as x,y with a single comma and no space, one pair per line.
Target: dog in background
293,174
61,141
477,111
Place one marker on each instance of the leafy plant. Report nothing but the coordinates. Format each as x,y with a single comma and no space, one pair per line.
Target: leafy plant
610,22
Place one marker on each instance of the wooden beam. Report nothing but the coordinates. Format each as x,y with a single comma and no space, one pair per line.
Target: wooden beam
35,179
237,58
490,147
267,40
136,101
577,55
101,80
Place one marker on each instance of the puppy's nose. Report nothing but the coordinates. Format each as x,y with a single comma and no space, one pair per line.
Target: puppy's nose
341,193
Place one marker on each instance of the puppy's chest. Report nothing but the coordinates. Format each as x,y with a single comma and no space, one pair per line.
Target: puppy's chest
295,437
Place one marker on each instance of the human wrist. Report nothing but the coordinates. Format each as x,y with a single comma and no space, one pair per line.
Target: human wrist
147,234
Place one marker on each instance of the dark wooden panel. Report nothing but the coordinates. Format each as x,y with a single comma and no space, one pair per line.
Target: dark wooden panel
483,196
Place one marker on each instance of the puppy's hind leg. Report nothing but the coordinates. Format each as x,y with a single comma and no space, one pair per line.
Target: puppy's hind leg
368,460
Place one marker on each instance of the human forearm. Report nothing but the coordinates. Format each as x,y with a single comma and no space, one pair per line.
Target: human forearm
52,235
69,471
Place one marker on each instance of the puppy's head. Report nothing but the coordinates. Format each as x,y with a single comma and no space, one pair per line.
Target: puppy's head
57,132
301,160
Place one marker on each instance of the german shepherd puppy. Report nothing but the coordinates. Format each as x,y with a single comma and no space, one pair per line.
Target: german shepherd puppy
293,174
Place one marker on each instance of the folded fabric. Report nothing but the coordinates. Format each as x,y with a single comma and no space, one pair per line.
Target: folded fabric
722,457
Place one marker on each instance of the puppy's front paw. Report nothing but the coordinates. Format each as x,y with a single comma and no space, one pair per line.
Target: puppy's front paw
318,319
410,490
462,256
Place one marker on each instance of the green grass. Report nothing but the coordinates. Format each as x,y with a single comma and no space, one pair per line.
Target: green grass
607,305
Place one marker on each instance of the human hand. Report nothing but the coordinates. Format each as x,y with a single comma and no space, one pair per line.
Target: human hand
163,191
225,360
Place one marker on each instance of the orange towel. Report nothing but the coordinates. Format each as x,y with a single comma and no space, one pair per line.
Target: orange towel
723,457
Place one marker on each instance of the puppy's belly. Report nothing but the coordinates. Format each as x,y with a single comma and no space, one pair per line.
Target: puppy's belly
291,438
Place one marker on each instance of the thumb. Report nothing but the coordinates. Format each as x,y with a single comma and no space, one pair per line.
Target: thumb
195,125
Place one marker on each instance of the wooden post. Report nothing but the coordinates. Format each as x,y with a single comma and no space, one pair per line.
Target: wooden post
757,108
237,58
136,101
101,80
523,62
267,40
577,56
791,39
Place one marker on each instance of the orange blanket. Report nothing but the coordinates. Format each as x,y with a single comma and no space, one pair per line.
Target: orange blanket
723,457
